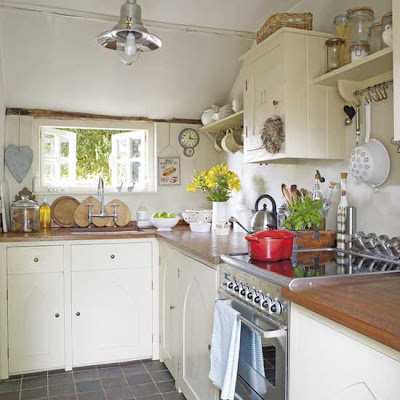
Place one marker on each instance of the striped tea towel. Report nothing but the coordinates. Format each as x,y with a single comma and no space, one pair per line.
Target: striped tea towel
225,349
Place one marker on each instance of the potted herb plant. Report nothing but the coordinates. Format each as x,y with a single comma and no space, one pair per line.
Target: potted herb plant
305,219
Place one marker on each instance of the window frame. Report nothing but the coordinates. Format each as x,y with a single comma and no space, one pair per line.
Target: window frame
150,172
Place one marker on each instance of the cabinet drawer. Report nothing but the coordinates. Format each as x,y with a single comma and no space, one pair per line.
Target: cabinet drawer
111,256
35,259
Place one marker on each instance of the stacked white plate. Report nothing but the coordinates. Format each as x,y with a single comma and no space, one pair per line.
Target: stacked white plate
226,111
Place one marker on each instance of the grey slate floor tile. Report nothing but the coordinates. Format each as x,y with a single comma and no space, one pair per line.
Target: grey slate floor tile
33,394
61,379
92,396
109,383
35,382
111,372
168,386
144,390
138,379
161,376
121,393
10,386
88,386
61,390
86,375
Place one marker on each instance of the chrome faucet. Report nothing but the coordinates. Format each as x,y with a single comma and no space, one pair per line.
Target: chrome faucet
102,214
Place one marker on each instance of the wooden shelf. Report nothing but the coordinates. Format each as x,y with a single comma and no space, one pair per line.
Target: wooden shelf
367,68
232,121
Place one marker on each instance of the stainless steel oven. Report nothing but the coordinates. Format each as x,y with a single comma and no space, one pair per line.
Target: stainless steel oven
262,369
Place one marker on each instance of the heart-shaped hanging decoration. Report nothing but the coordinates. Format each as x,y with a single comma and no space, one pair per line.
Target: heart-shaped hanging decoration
18,161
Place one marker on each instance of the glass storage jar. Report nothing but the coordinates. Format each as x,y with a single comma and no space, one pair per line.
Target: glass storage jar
359,51
25,215
359,25
376,37
340,23
333,49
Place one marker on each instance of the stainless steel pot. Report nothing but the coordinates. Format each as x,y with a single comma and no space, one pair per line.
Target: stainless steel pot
264,220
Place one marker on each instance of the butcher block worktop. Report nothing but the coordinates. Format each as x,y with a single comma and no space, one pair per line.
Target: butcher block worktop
370,307
206,246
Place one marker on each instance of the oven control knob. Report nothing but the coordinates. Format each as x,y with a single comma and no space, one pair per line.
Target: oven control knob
276,307
244,290
267,301
237,287
251,294
230,285
258,298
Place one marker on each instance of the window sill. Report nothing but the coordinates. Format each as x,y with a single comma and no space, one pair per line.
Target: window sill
91,193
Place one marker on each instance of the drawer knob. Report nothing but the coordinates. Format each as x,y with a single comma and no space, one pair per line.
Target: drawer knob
36,259
57,315
78,314
172,307
112,256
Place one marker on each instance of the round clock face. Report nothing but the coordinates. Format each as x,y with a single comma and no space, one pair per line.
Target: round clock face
189,138
188,152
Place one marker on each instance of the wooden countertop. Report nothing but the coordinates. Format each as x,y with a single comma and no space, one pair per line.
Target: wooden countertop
370,307
206,246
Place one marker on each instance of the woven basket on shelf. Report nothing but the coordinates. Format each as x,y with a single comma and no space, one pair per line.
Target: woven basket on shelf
284,20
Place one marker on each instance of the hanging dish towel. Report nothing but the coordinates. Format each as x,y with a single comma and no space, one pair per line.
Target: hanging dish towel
225,349
251,350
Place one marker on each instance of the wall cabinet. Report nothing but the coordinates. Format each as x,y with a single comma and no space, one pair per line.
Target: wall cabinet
188,294
72,304
279,77
329,361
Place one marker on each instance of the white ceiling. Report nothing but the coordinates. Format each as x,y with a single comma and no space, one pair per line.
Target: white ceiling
53,62
246,15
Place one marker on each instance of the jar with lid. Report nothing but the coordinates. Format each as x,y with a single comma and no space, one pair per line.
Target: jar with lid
340,23
359,26
386,34
376,37
25,215
333,47
359,51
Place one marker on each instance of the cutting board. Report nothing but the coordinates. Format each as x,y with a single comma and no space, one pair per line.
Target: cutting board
63,211
123,213
81,213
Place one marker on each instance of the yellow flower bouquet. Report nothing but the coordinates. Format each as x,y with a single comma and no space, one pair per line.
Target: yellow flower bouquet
218,183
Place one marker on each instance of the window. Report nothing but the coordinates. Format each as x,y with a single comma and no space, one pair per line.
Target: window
74,158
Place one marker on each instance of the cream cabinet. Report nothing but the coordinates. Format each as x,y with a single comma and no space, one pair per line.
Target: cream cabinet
188,294
329,361
279,75
111,302
396,67
36,321
77,303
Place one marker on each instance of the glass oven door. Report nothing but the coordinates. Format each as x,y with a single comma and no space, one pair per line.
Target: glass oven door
262,369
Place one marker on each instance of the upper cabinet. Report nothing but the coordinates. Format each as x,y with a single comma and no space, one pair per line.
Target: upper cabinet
396,67
279,80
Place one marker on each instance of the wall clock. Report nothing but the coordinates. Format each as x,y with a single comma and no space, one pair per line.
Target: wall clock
189,139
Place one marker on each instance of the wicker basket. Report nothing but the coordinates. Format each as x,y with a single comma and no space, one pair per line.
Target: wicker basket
284,20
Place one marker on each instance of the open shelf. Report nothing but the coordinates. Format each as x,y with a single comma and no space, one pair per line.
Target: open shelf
367,68
232,121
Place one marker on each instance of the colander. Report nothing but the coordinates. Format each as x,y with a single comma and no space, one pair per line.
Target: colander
370,162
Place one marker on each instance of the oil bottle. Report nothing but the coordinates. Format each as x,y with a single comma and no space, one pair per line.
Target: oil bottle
45,215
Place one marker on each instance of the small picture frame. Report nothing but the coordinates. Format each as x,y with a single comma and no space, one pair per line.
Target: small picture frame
169,171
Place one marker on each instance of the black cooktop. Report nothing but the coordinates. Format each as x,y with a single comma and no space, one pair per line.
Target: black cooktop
315,264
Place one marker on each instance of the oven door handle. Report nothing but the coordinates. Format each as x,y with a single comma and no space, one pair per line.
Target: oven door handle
265,334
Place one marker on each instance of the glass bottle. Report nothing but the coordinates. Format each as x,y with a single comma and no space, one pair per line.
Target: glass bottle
342,213
340,22
316,192
376,37
45,215
142,214
25,215
333,49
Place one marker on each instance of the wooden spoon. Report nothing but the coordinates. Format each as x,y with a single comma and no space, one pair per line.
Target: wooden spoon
286,194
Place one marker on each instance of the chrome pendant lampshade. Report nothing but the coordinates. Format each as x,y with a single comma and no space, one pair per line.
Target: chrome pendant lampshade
129,37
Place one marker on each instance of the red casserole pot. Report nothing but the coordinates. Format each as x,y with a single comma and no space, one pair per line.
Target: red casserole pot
271,245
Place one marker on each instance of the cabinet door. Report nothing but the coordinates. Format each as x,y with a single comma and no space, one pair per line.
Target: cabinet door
396,67
197,294
35,322
264,98
169,348
111,315
325,362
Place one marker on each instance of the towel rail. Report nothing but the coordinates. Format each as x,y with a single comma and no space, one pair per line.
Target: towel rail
265,334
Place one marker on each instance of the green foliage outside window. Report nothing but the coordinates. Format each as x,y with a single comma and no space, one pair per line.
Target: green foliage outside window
93,150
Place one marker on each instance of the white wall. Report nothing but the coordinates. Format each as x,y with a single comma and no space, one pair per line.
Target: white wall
168,198
378,209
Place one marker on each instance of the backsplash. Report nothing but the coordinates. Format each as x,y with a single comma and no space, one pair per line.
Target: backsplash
374,205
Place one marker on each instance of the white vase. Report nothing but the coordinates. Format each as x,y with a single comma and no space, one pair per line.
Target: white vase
220,213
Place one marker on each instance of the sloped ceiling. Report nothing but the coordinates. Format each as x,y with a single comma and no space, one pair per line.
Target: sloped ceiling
53,62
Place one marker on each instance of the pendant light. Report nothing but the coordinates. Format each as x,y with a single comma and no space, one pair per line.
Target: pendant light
129,37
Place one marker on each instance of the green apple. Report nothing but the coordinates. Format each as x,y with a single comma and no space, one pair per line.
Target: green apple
171,215
156,215
163,215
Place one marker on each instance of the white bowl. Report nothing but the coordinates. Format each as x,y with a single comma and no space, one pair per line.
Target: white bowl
190,216
200,227
164,224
